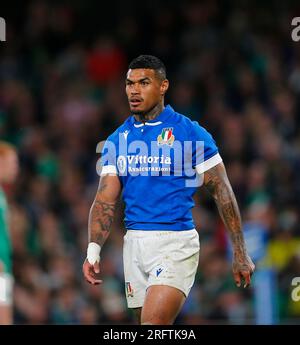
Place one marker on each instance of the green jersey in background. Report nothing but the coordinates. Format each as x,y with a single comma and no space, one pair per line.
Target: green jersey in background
5,244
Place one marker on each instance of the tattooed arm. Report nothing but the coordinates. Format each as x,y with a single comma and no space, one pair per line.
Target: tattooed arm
217,183
100,219
103,208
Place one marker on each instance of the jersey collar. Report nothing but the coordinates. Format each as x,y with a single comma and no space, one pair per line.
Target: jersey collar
168,110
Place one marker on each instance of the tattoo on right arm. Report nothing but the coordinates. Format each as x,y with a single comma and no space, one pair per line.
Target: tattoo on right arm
101,217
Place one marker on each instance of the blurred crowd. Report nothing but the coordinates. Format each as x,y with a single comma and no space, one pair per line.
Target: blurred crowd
232,66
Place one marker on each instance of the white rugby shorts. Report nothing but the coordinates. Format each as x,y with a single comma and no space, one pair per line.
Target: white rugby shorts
159,258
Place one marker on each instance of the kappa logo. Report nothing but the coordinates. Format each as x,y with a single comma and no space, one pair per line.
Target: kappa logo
129,290
166,137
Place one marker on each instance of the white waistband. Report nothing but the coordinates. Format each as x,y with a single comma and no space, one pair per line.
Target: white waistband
157,233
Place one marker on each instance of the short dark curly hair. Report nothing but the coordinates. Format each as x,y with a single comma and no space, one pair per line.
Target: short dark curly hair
149,62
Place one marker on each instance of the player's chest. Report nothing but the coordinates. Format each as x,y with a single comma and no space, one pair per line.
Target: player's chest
151,150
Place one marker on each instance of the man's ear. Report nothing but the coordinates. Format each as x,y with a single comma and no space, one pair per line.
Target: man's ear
164,87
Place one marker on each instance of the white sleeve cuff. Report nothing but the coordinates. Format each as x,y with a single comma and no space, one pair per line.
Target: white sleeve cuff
208,164
109,169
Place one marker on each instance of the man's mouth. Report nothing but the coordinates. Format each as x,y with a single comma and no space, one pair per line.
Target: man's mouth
135,101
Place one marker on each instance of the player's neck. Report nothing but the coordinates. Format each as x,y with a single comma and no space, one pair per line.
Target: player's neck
151,114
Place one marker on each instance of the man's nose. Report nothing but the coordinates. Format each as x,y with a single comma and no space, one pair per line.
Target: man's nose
135,89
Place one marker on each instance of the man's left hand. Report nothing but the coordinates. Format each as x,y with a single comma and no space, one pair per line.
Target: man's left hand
242,268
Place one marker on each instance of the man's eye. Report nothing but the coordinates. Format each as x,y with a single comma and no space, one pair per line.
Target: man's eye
144,83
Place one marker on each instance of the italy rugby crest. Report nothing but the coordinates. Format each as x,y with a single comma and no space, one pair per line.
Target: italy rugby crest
166,137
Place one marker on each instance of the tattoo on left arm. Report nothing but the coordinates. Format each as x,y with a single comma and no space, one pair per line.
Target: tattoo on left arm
217,183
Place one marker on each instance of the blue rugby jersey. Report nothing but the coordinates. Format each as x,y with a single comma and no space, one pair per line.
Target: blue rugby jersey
156,162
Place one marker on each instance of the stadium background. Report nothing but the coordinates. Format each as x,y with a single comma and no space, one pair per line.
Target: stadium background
232,66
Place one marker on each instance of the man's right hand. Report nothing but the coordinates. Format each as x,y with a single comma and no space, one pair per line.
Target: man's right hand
90,271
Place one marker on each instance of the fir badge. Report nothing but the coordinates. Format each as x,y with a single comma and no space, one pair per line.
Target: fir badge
166,137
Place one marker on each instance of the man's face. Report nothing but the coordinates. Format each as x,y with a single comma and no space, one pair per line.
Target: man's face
144,90
9,167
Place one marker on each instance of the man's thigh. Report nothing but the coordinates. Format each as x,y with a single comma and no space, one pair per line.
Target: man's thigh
162,305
